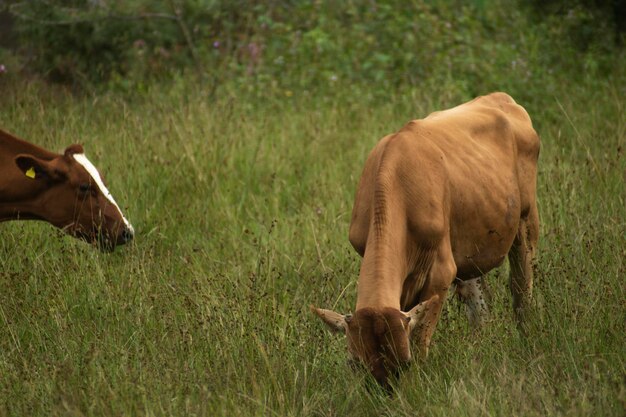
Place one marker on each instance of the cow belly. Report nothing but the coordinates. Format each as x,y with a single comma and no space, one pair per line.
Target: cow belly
484,212
471,265
481,237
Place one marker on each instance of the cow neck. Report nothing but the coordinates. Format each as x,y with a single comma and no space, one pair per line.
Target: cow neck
22,207
10,147
382,274
17,192
17,211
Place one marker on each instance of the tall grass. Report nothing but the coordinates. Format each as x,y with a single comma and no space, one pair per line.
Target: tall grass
241,205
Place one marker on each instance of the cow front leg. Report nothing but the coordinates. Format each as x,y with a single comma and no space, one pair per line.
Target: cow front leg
440,278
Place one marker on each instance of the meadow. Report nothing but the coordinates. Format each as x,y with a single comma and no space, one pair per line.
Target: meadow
241,205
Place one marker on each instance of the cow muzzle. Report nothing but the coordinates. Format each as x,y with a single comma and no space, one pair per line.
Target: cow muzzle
127,235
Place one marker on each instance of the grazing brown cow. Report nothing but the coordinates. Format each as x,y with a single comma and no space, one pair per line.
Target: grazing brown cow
441,202
64,190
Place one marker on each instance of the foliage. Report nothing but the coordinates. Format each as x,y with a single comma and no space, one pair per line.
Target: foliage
587,23
308,44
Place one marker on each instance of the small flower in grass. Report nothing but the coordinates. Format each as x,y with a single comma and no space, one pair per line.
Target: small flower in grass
3,69
216,44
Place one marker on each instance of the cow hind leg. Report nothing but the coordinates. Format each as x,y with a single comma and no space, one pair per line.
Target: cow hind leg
521,256
473,293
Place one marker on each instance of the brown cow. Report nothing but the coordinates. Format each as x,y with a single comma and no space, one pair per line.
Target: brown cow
441,202
64,190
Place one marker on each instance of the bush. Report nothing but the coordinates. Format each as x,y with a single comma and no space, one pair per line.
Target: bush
287,45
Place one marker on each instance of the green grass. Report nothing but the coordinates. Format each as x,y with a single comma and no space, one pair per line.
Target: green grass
241,207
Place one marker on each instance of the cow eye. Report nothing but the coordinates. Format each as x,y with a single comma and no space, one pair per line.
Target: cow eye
83,188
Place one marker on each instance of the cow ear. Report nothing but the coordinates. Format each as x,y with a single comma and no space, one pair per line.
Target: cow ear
416,314
37,168
336,322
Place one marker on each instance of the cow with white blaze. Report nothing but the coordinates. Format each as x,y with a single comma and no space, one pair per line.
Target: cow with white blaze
65,190
440,203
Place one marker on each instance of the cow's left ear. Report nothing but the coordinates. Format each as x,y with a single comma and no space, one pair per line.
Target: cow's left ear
335,321
37,168
416,314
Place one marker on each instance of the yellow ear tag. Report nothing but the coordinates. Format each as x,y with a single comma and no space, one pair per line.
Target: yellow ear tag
30,173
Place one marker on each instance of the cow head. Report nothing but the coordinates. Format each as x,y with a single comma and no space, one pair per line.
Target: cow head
378,339
71,195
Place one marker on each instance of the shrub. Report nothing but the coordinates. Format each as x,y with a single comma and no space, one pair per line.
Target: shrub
280,46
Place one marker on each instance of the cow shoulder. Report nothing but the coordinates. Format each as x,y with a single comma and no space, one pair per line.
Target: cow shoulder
416,165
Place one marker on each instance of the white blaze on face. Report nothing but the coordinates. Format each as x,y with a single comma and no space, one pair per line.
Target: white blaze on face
95,175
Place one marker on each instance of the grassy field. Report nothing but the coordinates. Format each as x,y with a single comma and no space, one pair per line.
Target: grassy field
241,207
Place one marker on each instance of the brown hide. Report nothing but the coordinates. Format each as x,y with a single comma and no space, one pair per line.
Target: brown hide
36,184
447,196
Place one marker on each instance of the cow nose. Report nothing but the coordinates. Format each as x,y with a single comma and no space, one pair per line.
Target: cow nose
128,234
